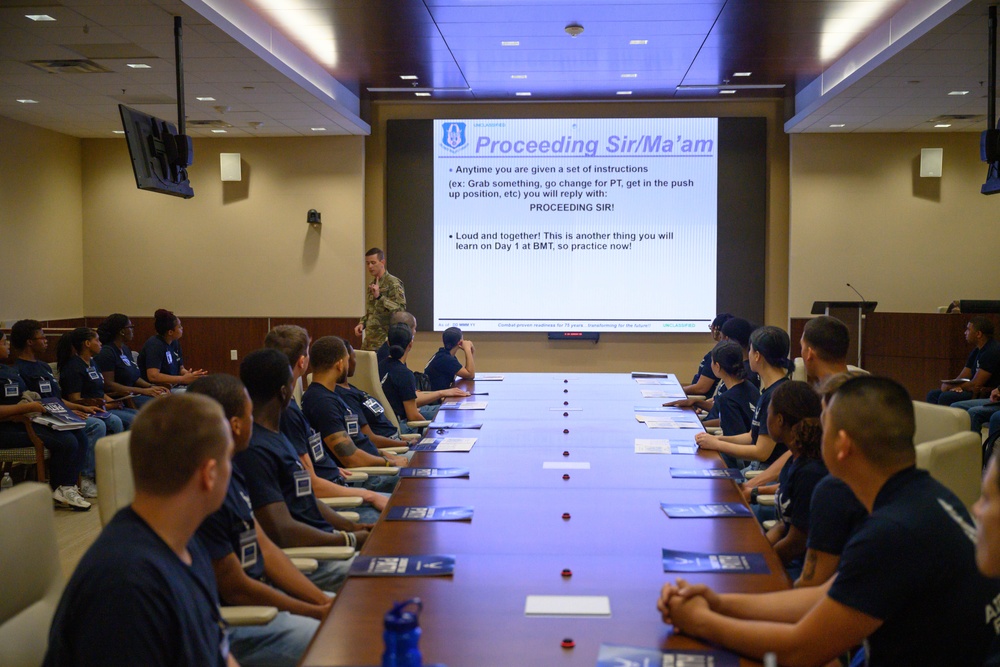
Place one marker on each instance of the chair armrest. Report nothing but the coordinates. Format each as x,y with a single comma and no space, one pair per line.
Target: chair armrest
423,423
767,500
248,615
410,437
402,449
305,565
342,501
768,525
713,430
389,471
750,474
350,516
356,477
320,553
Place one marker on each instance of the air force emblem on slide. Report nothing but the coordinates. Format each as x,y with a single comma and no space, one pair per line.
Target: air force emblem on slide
454,137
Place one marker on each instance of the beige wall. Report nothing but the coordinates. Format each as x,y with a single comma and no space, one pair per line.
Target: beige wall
861,214
235,249
41,224
615,352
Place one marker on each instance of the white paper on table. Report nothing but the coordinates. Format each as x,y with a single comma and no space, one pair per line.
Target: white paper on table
567,605
659,393
469,405
486,378
455,444
648,446
652,381
566,465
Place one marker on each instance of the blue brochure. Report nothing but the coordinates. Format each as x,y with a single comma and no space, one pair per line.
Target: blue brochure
433,472
692,561
612,655
429,514
706,473
402,566
705,510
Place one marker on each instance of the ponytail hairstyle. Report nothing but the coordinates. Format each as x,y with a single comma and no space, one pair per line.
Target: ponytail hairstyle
729,355
400,338
798,403
71,344
164,321
109,329
772,343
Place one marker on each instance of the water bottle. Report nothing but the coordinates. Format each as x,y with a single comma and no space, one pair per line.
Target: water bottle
6,482
402,635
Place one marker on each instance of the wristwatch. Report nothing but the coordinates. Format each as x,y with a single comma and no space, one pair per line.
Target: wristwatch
754,492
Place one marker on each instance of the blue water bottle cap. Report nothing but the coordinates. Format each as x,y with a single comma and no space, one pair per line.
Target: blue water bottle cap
399,620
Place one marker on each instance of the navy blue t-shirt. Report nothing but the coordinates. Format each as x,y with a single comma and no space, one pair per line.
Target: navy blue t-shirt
834,514
37,375
307,441
751,376
156,353
987,359
382,353
329,414
736,408
132,601
77,376
441,369
398,385
369,411
110,358
796,482
912,565
221,532
269,466
759,424
705,370
12,386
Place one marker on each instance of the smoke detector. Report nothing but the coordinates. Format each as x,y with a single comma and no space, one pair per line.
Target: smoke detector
574,29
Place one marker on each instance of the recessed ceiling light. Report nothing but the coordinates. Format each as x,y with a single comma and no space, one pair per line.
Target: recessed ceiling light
408,77
742,73
837,125
519,76
943,125
26,101
318,129
638,42
727,91
523,94
629,76
218,131
959,92
510,43
139,65
422,94
205,99
117,131
39,17
624,92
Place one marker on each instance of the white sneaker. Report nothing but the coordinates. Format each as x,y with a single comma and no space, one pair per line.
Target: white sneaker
88,487
69,496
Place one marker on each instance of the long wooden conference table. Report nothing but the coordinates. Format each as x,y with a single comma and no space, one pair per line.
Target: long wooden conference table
518,542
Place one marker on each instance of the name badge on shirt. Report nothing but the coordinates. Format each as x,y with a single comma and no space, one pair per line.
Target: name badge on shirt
248,548
44,387
316,446
170,357
93,374
303,485
374,406
352,423
126,360
11,391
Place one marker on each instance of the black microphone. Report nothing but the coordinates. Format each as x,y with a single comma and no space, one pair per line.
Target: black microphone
856,291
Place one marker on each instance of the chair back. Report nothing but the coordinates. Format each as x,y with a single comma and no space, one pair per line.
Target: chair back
938,421
956,462
32,575
366,378
799,370
115,486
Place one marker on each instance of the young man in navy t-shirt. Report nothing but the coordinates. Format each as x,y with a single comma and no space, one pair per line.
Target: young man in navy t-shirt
444,365
144,593
907,583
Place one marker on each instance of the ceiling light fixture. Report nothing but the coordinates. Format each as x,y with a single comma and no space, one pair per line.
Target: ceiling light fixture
218,131
638,42
422,94
510,43
138,65
318,129
39,17
959,92
27,101
523,94
943,125
117,131
205,99
727,91
742,73
408,77
837,125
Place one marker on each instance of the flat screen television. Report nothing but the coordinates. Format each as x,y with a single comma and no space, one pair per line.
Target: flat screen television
160,156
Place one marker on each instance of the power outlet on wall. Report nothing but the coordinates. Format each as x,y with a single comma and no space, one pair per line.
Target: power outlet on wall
233,355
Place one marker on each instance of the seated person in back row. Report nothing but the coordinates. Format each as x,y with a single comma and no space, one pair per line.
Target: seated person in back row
907,580
982,368
737,404
121,374
249,568
400,385
280,486
160,358
444,365
371,413
144,593
82,381
705,381
399,317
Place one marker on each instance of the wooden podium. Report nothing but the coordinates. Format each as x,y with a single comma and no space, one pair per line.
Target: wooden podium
851,313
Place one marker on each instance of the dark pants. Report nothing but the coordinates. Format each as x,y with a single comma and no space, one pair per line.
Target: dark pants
938,397
67,449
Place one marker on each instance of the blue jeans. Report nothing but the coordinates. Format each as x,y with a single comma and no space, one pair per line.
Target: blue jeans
980,411
995,422
94,431
126,415
331,574
280,643
938,397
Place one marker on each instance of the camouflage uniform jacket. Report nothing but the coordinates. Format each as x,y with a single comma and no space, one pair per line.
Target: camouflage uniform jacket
377,311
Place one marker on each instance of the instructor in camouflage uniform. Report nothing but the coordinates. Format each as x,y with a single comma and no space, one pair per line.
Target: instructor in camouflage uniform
385,296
